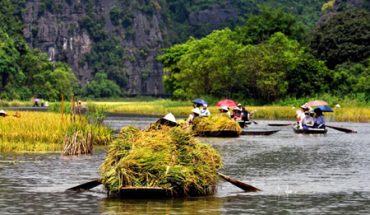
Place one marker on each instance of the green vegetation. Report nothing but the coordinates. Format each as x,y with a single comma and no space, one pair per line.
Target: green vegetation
27,72
265,56
268,60
168,158
343,37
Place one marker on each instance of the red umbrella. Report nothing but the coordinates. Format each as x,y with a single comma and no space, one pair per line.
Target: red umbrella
226,102
316,103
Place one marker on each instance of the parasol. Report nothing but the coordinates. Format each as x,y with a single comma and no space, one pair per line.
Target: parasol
226,102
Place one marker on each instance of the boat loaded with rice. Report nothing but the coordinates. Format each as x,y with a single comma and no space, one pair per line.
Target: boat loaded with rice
310,130
161,161
216,126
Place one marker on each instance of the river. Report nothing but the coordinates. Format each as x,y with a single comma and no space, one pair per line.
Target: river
298,174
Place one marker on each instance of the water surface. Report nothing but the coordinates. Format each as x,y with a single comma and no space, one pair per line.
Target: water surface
299,174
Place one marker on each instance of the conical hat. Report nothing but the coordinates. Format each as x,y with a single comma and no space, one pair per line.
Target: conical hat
224,108
2,111
170,117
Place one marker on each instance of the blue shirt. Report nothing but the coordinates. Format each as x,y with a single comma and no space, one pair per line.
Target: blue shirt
320,120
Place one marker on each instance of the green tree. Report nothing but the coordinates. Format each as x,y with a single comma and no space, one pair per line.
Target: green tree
342,37
259,28
101,87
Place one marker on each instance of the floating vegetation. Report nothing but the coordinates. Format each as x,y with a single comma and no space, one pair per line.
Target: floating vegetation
167,158
216,125
43,131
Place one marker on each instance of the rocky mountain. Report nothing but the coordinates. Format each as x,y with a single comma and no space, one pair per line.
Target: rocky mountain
123,37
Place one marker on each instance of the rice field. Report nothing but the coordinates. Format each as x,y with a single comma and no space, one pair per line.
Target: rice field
42,132
161,107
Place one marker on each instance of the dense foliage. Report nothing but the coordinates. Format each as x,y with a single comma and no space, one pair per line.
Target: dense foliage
343,37
259,62
27,72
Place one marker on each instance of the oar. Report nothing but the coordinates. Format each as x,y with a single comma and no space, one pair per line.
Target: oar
346,130
86,186
241,185
254,122
94,183
279,124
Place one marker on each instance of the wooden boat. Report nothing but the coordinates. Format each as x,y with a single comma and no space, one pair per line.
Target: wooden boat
221,133
155,192
310,130
256,132
141,192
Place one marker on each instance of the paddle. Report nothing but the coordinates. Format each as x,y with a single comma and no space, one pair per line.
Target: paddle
279,124
86,186
346,130
246,187
241,185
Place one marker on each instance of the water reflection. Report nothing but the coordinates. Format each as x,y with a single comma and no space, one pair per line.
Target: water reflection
201,205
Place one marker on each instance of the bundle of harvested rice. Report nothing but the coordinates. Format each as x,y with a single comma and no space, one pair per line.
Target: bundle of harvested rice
215,123
168,158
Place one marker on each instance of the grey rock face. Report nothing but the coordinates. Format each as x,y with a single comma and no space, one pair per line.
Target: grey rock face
53,26
59,34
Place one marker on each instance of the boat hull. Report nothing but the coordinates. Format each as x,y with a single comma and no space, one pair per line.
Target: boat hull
242,124
154,193
310,131
222,133
251,132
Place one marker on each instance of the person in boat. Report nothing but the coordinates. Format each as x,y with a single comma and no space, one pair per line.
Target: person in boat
194,114
307,121
225,110
319,120
245,115
237,114
204,112
300,115
169,120
36,102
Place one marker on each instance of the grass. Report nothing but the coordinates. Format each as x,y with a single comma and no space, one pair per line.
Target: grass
42,131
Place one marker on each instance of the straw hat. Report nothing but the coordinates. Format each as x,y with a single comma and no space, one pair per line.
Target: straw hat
196,111
170,117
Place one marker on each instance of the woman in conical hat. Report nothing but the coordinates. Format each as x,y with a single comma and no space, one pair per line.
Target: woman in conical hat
3,113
